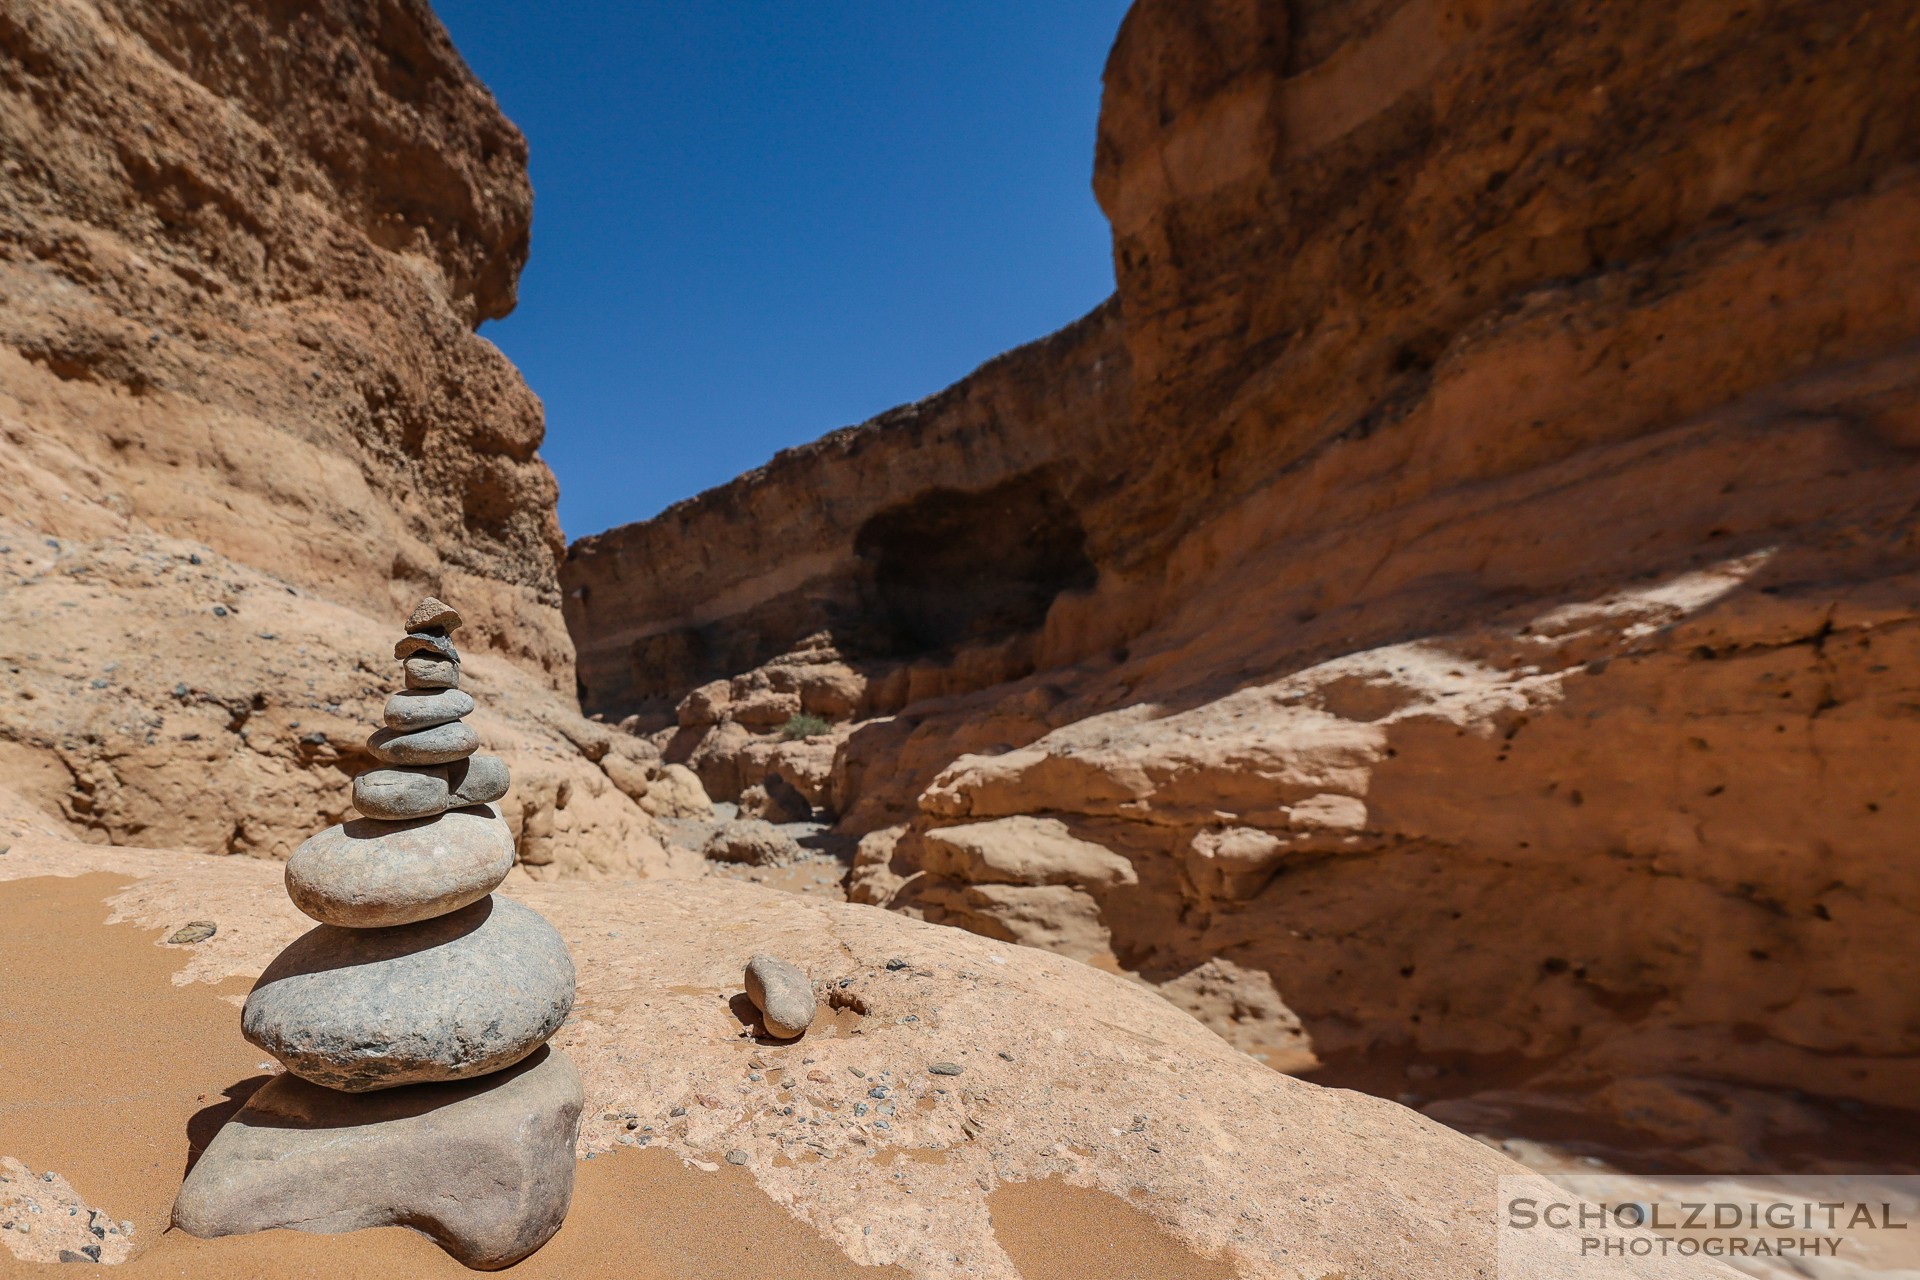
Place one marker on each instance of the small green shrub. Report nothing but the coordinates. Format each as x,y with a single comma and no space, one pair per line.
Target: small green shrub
803,726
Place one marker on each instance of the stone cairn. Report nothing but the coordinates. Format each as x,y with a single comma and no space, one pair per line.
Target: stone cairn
413,1022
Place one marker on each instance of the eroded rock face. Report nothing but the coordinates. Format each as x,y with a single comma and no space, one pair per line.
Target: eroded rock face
988,475
753,842
1498,493
205,706
281,259
243,249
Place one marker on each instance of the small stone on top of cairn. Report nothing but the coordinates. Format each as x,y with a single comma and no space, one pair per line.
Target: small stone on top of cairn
431,660
430,755
433,615
413,1022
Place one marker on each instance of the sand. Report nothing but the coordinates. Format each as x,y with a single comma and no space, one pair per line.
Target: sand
114,1077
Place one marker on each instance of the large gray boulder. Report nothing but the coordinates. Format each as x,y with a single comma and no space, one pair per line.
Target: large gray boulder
485,1167
365,874
445,999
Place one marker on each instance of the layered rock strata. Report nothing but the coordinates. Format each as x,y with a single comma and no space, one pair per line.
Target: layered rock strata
417,979
244,412
1499,639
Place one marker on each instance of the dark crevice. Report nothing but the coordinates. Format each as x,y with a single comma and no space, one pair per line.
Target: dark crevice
951,568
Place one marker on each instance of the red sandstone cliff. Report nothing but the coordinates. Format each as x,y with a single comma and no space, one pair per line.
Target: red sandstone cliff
245,420
1468,587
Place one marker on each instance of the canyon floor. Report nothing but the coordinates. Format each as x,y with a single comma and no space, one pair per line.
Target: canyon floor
1087,1114
1492,1097
130,1074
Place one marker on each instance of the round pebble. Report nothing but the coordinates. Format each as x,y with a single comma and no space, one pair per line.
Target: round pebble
368,875
441,744
783,995
478,780
424,708
397,795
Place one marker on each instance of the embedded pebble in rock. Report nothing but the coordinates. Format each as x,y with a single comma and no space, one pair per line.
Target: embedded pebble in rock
365,874
478,780
445,999
425,708
485,1167
397,795
429,645
69,1229
782,994
433,614
432,673
441,744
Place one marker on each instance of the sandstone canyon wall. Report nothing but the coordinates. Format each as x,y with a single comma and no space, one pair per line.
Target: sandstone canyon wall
1467,591
245,422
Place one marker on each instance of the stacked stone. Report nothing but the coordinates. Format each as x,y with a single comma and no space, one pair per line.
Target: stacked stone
414,1020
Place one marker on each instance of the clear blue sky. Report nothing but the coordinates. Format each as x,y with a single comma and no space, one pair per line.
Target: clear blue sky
757,221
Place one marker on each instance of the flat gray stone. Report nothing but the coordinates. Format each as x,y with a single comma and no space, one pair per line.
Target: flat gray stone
782,994
405,792
425,642
424,708
432,673
484,1167
445,999
409,791
441,744
365,874
478,780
